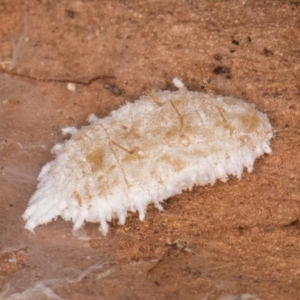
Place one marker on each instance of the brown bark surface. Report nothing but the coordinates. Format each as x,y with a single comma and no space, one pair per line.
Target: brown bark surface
234,240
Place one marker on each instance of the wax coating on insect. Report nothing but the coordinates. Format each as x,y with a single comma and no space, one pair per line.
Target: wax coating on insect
145,152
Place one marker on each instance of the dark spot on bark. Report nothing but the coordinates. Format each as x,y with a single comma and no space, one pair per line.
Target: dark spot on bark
294,223
235,42
267,52
218,57
295,3
222,70
70,13
113,89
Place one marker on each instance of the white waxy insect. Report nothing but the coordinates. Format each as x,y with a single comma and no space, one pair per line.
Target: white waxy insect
146,152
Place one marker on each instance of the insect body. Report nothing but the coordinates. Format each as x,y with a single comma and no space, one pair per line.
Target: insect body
146,152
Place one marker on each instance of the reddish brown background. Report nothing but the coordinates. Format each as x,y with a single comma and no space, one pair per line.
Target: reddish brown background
239,240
